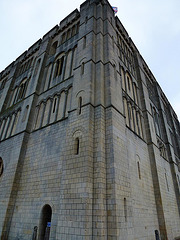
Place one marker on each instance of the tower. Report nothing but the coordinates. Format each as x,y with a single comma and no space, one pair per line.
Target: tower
89,144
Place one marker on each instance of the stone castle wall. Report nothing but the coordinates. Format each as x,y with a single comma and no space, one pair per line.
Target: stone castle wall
88,140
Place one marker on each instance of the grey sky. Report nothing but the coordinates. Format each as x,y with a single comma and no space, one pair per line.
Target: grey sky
153,25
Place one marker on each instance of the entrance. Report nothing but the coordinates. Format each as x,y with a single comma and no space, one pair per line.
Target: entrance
45,224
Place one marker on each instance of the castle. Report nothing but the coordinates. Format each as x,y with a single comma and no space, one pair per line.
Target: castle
89,144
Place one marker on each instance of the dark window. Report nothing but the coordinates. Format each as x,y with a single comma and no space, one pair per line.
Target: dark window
77,144
1,167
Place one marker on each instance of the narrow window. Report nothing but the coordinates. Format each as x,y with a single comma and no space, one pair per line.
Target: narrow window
84,42
86,20
77,146
1,167
80,105
82,68
25,113
61,66
68,34
167,181
125,209
63,38
53,48
54,107
139,170
128,80
73,31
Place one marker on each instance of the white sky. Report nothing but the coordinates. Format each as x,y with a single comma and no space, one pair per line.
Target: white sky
153,25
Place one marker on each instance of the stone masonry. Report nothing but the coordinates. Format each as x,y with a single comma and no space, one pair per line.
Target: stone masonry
89,144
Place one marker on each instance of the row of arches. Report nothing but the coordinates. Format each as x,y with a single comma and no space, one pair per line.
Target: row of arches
126,54
53,108
129,86
8,125
70,33
133,116
25,66
59,69
18,92
132,110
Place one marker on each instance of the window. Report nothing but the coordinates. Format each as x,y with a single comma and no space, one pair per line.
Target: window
21,91
139,170
54,107
82,68
77,145
84,42
63,38
80,105
128,81
59,66
125,209
69,34
1,167
53,49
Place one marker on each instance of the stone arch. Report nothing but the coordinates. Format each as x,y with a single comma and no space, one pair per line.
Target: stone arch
45,222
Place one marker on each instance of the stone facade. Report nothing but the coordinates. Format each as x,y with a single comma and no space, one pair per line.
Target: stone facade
89,144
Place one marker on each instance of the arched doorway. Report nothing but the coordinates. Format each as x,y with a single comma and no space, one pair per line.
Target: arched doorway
45,223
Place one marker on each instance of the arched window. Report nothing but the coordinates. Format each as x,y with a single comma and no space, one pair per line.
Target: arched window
59,66
139,170
1,167
45,223
69,34
125,209
37,67
53,48
76,147
82,68
21,91
80,105
73,31
63,38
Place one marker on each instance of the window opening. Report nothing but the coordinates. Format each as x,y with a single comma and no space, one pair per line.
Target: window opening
77,144
82,68
1,167
54,107
139,170
80,105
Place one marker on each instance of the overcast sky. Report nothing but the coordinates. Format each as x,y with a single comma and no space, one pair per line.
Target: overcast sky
153,25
